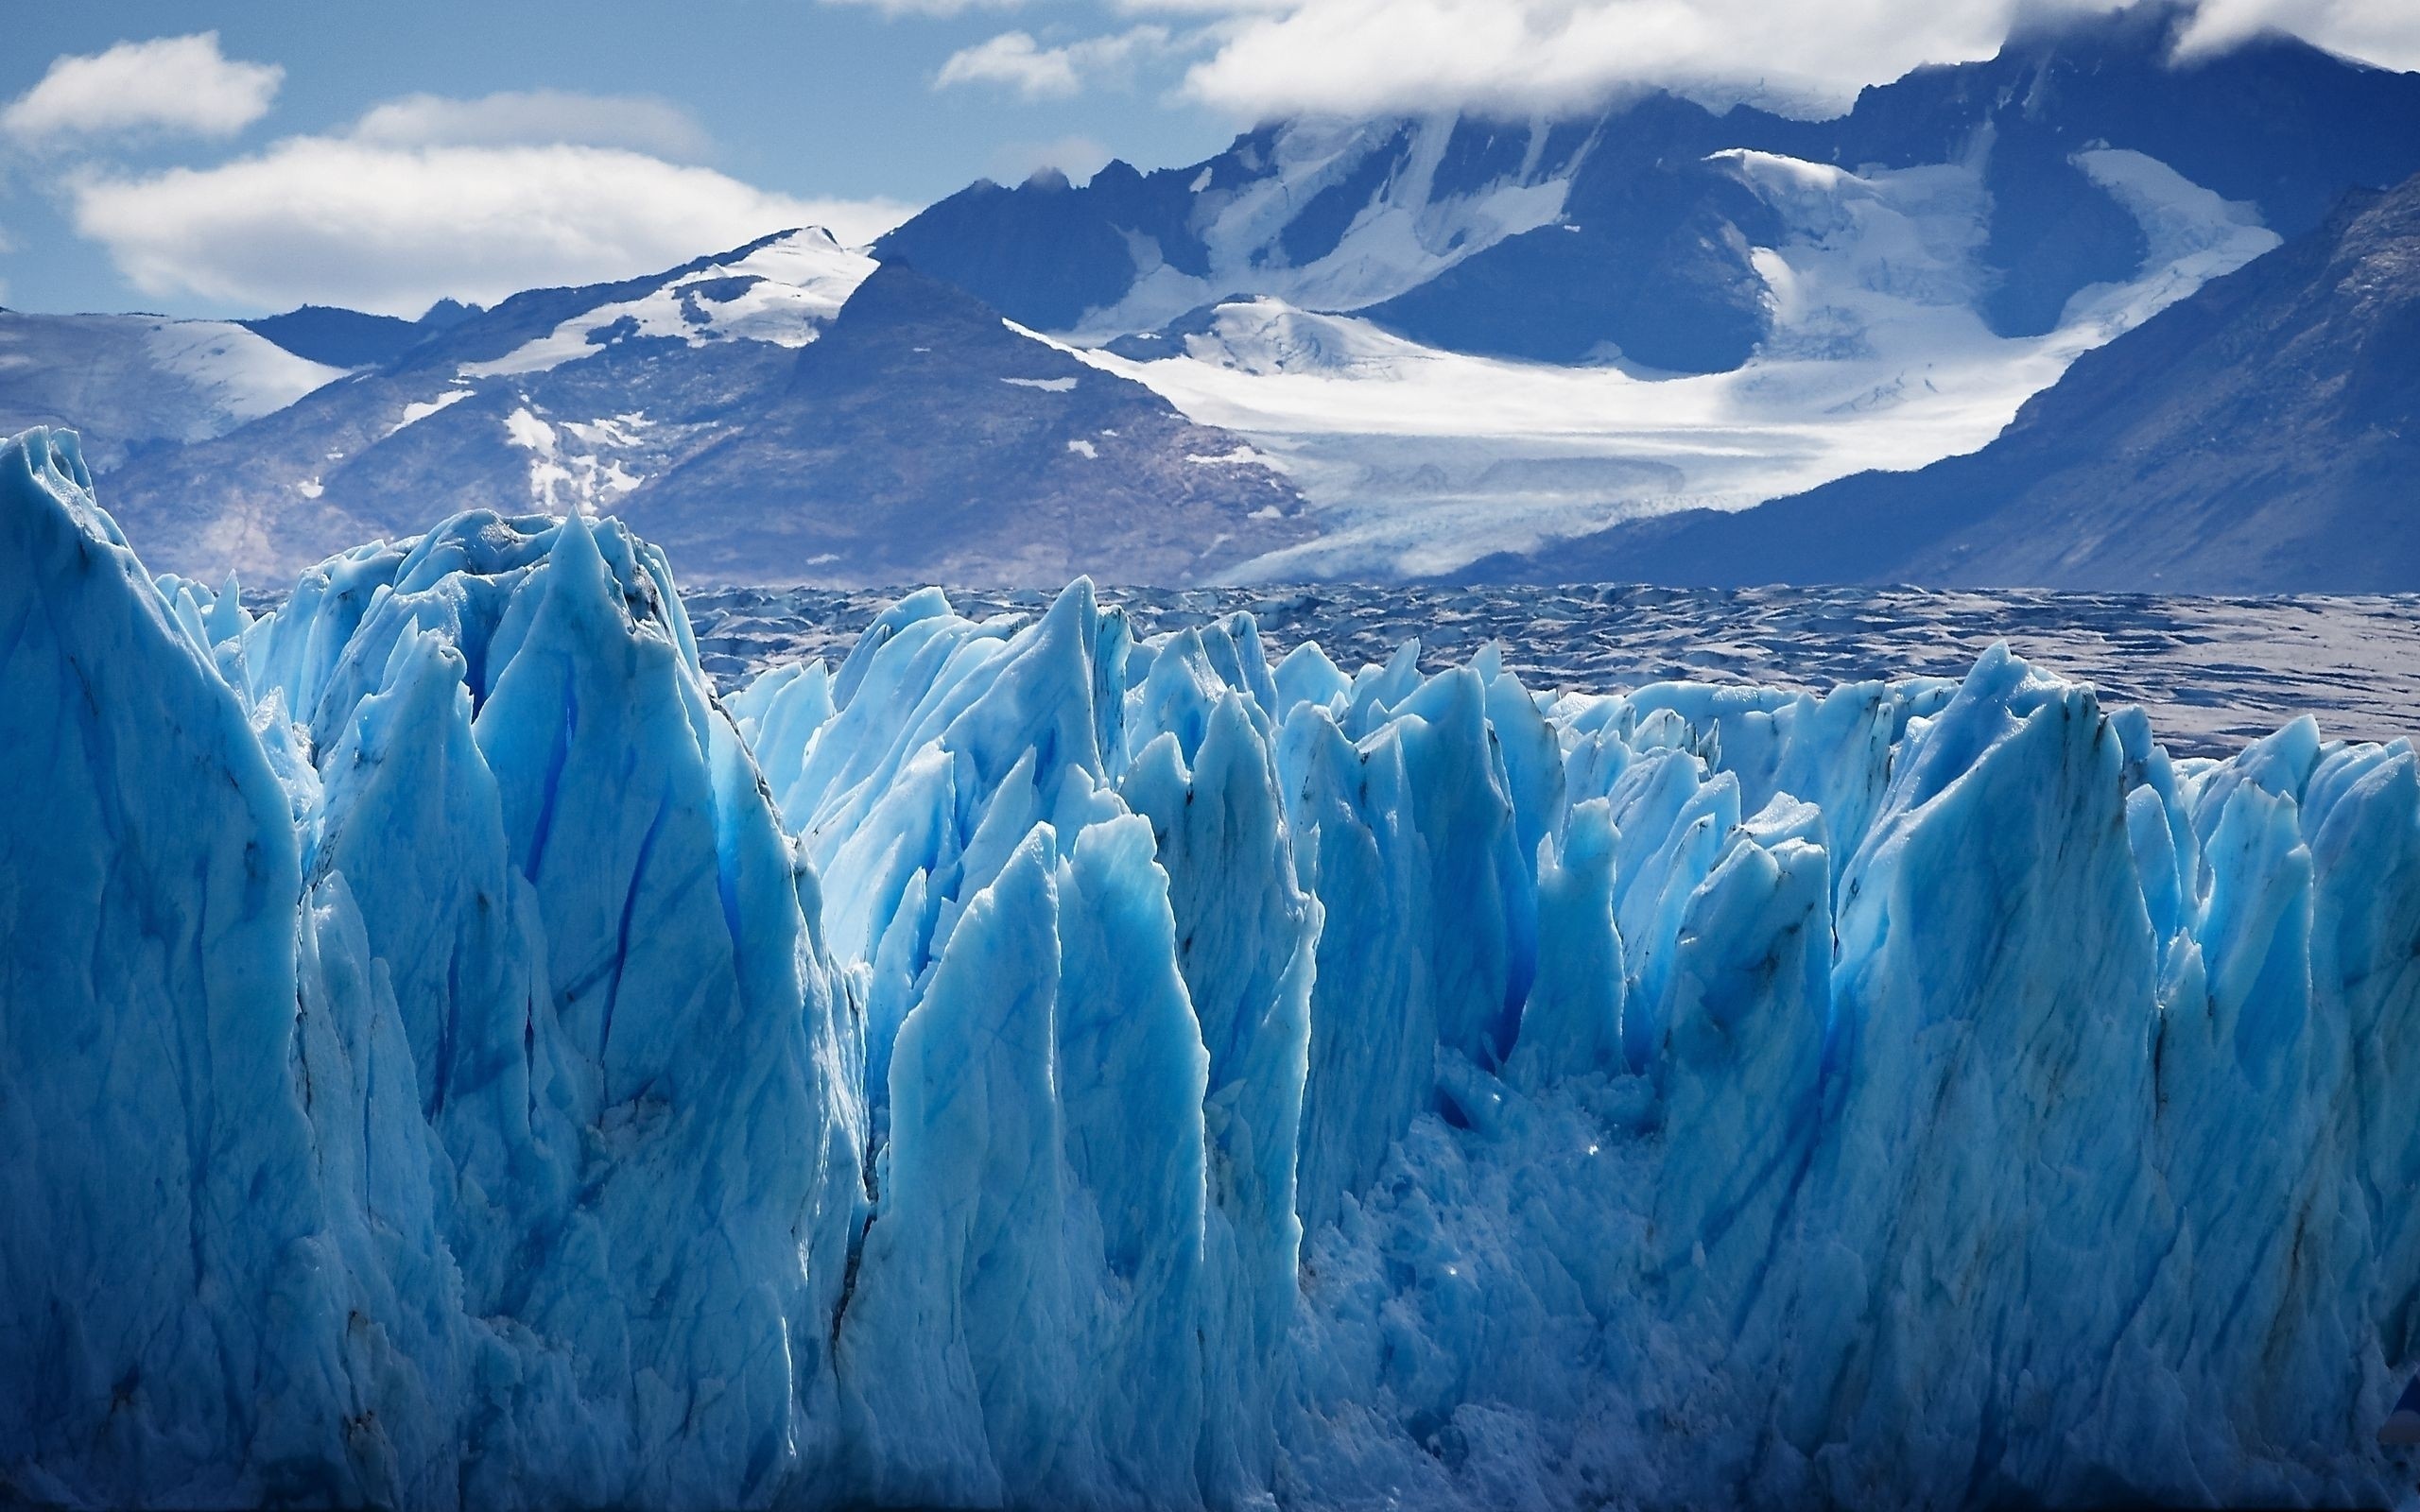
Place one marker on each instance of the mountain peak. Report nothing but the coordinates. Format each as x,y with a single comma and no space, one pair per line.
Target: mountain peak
341,337
447,313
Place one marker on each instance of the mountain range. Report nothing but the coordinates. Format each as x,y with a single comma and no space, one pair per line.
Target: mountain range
1633,234
1440,347
925,442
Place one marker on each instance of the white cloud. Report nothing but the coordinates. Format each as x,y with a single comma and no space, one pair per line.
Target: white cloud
537,118
1013,57
2386,32
340,221
166,84
1371,56
1036,73
1350,57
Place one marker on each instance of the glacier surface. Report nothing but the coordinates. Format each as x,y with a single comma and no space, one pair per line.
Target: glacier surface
452,1054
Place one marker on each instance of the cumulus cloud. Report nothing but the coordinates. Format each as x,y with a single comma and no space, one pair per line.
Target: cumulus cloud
2386,32
182,84
341,220
538,118
1015,60
1013,57
1262,58
1370,56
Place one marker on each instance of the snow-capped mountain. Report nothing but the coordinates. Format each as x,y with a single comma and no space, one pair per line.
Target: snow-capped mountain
1661,306
1627,233
1336,216
2260,436
132,383
779,291
631,398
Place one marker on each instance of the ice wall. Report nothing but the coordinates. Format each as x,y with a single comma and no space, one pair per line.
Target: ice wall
450,1054
438,1098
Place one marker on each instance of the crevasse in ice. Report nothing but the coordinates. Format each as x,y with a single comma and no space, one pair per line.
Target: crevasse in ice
451,1055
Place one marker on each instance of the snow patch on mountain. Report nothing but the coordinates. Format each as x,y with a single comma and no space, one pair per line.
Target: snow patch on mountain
1265,337
421,409
783,292
563,480
2195,235
231,368
133,380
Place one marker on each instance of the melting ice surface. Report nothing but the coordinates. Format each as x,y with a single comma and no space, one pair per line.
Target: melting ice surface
451,1054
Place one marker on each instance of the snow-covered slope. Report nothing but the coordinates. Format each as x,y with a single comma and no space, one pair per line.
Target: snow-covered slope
129,382
1337,216
782,290
451,1056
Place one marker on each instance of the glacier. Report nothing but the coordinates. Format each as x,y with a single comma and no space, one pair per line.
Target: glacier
454,1054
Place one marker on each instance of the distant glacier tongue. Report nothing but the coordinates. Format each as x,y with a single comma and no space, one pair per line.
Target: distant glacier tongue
451,1055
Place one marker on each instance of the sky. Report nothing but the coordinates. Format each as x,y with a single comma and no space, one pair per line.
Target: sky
240,158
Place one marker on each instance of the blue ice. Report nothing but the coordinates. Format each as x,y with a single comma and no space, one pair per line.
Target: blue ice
454,1054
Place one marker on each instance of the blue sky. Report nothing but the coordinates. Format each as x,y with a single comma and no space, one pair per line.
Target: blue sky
238,159
807,100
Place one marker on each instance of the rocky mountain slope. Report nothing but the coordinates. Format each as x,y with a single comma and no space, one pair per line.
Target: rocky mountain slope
623,398
922,438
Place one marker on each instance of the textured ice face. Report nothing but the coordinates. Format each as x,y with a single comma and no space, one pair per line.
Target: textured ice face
450,1054
435,1124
